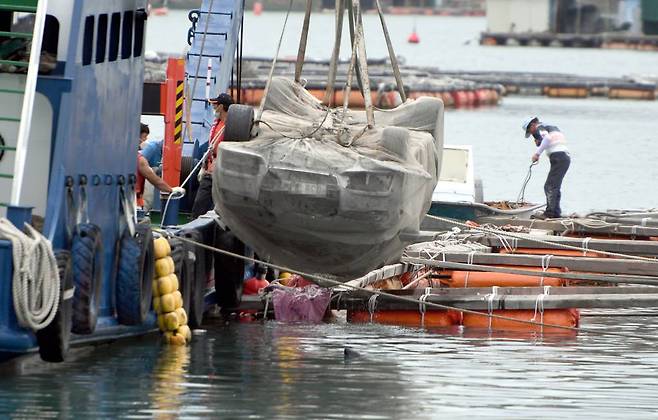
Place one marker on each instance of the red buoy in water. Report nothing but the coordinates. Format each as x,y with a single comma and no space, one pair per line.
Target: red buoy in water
258,8
413,38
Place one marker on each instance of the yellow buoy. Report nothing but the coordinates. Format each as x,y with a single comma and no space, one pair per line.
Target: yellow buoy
162,267
171,321
178,299
165,285
161,248
156,305
174,281
156,293
182,316
168,303
185,331
177,340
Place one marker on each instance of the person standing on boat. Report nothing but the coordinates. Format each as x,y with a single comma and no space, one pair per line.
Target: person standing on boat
148,155
203,200
550,139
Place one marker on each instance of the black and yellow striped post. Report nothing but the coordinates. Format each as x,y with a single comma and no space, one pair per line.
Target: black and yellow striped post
178,122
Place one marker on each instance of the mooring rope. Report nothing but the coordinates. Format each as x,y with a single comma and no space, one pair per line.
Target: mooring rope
36,282
325,280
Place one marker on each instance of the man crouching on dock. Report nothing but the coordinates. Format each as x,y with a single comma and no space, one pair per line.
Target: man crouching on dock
550,139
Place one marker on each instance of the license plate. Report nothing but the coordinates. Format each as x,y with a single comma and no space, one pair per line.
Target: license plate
307,188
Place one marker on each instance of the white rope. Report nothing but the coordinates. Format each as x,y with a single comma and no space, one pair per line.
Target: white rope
545,261
372,306
469,261
539,307
490,297
36,282
421,305
586,246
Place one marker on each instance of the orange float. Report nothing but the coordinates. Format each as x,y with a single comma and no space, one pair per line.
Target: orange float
488,279
407,318
561,317
459,98
559,252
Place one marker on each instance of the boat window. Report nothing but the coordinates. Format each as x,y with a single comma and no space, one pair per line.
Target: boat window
140,20
101,40
50,37
115,28
454,166
127,35
88,41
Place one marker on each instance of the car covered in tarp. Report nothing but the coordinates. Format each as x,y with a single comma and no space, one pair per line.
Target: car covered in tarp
317,189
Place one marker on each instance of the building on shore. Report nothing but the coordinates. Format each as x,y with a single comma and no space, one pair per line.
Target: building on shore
452,7
569,16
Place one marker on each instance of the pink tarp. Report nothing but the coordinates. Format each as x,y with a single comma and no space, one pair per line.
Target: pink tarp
306,304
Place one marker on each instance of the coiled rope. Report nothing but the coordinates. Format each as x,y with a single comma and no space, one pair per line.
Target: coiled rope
36,282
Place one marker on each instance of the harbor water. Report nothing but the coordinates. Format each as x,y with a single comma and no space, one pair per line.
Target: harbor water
276,370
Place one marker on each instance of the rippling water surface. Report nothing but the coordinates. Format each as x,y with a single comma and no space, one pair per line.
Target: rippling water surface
276,370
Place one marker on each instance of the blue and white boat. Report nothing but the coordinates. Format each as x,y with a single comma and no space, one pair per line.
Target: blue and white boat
71,100
459,193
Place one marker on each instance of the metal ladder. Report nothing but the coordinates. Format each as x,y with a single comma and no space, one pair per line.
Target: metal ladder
215,42
18,146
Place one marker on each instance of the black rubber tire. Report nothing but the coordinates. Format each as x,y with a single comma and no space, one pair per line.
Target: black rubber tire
239,121
181,262
396,141
54,340
87,257
198,283
134,291
229,271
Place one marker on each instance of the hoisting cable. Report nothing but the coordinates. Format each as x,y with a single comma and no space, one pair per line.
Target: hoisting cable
301,53
261,107
391,53
520,199
416,302
333,65
36,282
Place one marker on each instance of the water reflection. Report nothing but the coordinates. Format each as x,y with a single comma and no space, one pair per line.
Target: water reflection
275,370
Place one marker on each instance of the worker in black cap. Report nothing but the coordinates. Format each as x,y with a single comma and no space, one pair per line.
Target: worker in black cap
203,200
549,138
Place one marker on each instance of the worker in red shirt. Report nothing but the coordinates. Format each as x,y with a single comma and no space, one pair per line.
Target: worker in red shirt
203,200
